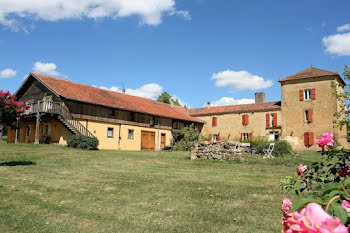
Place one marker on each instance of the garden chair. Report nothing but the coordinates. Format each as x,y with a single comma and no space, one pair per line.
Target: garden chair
268,151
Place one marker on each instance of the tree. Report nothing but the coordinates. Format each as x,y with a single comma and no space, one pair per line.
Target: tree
165,97
343,97
10,110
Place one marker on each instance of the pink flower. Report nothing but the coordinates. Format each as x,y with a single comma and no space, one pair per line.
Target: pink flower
286,205
301,169
346,204
325,140
312,219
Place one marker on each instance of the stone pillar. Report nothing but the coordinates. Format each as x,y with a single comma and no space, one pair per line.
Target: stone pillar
37,128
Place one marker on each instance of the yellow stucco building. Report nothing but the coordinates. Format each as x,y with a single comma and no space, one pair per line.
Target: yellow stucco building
60,108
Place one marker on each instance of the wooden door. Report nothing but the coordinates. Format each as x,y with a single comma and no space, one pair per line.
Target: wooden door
148,140
162,141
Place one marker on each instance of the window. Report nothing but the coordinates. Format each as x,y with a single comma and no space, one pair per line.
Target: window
151,120
28,131
307,94
245,136
214,137
47,130
245,120
308,116
272,119
110,132
308,138
132,116
110,112
131,134
274,136
175,125
214,121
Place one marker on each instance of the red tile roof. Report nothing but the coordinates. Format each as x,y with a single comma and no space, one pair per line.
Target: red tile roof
93,95
241,108
311,72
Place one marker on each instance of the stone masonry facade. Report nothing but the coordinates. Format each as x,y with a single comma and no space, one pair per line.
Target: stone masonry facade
305,112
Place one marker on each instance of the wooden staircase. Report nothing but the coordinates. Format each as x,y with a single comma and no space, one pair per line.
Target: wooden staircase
63,115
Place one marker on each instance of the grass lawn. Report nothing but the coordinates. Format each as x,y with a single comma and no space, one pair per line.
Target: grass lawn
114,191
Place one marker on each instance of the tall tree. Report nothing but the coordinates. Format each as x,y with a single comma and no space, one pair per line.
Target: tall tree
164,97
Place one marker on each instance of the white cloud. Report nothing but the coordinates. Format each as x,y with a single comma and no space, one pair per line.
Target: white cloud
46,68
231,101
240,80
343,28
149,11
7,73
151,90
338,44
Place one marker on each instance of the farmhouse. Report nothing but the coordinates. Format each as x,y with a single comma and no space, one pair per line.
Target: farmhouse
60,108
305,112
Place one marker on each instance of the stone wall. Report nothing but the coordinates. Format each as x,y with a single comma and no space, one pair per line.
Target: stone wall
219,150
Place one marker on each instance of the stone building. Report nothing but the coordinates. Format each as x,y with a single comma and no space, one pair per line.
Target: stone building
305,112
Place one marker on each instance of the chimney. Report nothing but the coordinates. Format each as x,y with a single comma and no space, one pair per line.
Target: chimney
171,103
208,104
260,97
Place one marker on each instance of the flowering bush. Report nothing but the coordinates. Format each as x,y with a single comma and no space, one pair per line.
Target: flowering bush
10,109
326,184
325,140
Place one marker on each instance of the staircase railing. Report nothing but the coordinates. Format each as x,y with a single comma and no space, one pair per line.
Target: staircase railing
57,108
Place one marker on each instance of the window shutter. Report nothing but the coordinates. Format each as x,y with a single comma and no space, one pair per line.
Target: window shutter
309,115
275,119
247,119
306,138
218,137
267,120
313,93
311,138
210,138
243,119
214,121
250,135
241,136
301,95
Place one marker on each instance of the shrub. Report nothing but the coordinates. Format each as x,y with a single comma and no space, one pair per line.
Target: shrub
282,148
258,144
83,142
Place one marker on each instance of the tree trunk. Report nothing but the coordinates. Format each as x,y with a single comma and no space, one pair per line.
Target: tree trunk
1,132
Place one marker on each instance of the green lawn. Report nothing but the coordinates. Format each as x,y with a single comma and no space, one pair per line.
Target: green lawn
113,191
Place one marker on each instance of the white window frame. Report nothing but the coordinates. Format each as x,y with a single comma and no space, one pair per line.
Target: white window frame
307,94
271,119
110,129
306,115
272,136
214,137
131,136
245,136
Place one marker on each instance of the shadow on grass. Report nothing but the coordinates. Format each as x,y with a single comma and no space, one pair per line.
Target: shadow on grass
17,163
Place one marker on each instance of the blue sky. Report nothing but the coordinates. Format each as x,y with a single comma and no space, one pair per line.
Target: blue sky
198,50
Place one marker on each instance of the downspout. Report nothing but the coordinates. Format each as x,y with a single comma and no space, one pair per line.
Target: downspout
158,139
120,126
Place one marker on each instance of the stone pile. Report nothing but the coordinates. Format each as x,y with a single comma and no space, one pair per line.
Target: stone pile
219,150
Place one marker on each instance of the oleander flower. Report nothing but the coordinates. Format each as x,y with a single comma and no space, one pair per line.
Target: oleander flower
325,140
301,169
312,219
286,205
